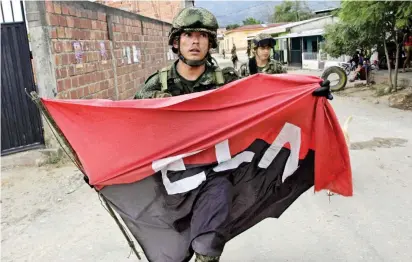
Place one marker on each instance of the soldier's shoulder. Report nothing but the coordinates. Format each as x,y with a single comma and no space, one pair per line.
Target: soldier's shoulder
230,74
277,66
151,83
275,62
153,79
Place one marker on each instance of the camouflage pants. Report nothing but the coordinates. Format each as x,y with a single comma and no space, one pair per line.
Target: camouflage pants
202,258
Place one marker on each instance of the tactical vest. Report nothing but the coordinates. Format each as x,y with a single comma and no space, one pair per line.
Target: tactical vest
219,79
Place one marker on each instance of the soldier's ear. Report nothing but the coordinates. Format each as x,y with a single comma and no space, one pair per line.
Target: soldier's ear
176,43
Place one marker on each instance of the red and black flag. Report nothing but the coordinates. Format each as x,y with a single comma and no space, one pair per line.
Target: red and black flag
250,148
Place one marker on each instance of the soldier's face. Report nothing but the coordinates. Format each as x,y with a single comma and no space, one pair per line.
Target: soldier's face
263,52
194,45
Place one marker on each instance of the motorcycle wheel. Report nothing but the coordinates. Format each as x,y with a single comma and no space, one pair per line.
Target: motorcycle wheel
343,78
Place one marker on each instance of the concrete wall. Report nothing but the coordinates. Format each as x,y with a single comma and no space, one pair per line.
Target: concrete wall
321,23
237,37
108,40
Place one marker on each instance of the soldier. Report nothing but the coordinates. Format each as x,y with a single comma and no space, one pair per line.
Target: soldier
234,57
261,62
193,34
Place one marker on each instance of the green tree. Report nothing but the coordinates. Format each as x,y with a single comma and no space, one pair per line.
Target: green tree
364,24
251,21
232,26
292,11
345,39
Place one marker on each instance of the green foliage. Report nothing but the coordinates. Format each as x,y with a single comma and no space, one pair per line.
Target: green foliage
251,21
232,26
364,24
292,11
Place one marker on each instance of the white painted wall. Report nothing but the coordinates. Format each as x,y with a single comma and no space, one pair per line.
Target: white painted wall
321,23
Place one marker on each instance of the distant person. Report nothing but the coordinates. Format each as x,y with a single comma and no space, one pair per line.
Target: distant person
407,39
234,56
261,62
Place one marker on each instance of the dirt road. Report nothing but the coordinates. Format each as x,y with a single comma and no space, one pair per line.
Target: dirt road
50,214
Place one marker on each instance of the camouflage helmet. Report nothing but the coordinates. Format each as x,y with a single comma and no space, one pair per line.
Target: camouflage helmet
194,19
263,40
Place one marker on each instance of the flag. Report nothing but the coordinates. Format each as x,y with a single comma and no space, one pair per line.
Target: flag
252,146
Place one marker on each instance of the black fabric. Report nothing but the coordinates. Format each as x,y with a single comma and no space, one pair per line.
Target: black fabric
169,227
253,69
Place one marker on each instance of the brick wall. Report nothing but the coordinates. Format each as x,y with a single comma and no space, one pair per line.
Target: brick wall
162,10
93,49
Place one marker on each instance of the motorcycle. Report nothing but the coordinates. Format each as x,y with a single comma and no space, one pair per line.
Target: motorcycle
347,67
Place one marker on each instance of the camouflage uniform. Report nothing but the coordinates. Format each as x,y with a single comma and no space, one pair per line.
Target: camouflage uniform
212,78
272,67
167,82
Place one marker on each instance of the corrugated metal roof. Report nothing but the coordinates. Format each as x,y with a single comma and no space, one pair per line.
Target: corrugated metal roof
283,28
312,32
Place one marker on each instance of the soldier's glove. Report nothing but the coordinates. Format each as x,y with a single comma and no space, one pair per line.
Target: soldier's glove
323,90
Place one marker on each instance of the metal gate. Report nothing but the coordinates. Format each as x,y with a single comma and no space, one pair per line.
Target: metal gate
21,127
296,52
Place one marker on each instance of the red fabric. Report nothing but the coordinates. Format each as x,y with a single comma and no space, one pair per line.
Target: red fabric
117,141
408,41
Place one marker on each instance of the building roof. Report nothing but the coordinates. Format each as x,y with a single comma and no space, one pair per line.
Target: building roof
285,27
253,27
328,10
313,32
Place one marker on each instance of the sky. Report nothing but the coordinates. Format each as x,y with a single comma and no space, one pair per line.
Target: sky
231,12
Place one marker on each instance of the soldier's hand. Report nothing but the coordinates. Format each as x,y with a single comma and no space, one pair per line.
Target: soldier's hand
323,90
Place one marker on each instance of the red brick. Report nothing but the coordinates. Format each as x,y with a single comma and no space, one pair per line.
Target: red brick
83,13
92,15
78,13
58,75
65,59
73,94
101,16
103,26
111,93
76,22
72,10
67,46
57,8
92,89
60,32
62,20
94,24
70,21
58,60
75,81
68,32
65,9
52,19
60,86
53,33
49,6
87,34
71,70
57,47
86,23
105,94
67,83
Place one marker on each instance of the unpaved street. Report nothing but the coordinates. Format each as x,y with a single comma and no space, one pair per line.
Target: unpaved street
50,214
